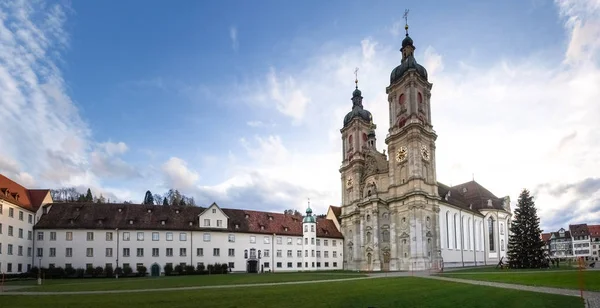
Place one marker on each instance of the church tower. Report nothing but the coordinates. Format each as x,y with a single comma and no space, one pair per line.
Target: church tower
390,205
309,235
412,174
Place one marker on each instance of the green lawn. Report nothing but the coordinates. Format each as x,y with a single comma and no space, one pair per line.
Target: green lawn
380,293
557,279
95,284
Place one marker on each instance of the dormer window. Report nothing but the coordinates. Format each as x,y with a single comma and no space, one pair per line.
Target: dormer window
489,202
191,223
162,222
285,228
71,221
120,210
149,210
247,216
131,221
176,211
270,217
464,190
237,226
262,227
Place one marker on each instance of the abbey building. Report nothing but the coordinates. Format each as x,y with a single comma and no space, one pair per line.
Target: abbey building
395,215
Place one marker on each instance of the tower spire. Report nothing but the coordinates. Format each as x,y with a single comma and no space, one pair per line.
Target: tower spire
406,21
356,77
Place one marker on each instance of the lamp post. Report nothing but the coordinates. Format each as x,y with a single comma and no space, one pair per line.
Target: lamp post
39,271
117,268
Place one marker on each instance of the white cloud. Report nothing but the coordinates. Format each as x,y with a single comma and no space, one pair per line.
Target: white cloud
233,35
178,175
257,123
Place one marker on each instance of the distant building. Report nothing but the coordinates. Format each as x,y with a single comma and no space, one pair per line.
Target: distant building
580,235
595,241
546,240
561,244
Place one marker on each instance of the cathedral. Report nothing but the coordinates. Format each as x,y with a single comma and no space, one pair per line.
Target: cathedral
395,215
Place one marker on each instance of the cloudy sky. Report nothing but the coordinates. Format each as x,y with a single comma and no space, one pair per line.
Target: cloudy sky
242,102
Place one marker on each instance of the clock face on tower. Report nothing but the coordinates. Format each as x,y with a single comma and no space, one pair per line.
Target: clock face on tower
349,182
424,152
401,154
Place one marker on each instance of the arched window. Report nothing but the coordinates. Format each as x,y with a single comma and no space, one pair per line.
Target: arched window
491,233
350,143
448,229
385,236
469,234
368,239
350,252
456,230
402,99
419,98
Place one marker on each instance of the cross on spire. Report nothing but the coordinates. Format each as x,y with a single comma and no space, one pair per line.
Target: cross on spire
356,77
405,16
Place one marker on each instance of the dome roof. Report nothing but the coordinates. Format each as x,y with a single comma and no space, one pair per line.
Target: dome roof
408,64
356,93
407,41
309,217
357,113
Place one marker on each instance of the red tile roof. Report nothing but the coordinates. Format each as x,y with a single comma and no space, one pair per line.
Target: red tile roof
594,230
546,237
337,211
30,199
149,217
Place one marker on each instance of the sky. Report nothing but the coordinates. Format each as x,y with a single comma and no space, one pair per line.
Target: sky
241,103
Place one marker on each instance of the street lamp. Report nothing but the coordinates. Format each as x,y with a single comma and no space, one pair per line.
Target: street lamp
117,268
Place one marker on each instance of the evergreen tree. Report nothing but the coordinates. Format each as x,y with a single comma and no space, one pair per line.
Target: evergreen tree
182,202
149,198
525,245
88,196
165,202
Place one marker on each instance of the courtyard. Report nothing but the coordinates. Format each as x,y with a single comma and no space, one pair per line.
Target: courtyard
331,289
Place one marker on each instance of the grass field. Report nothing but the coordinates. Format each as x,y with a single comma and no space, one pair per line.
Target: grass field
492,268
380,293
61,285
568,279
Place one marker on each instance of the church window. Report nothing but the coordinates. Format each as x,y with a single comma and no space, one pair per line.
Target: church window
402,99
491,233
469,235
502,245
368,240
368,217
386,236
455,231
350,143
419,98
364,137
447,229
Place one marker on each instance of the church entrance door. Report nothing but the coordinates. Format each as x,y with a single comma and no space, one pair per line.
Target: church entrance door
386,262
155,270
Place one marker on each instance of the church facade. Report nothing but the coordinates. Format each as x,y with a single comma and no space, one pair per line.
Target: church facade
395,215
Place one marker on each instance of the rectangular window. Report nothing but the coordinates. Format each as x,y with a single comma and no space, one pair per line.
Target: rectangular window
40,234
29,234
279,240
29,250
69,236
20,251
216,252
21,215
9,268
299,265
140,236
182,252
266,240
125,253
334,264
183,236
231,252
278,253
21,233
289,241
289,264
231,238
30,219
68,252
109,236
231,265
169,252
299,241
11,212
306,241
53,236
252,239
140,252
326,264
333,242
326,254
219,223
169,236
335,254
325,242
312,240
318,242
10,232
299,253
199,252
318,254
155,236
126,236
10,249
289,254
90,236
207,237
52,251
109,252
214,211
207,222
89,252
267,253
267,264
40,251
278,264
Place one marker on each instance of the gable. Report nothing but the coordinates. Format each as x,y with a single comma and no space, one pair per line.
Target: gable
213,217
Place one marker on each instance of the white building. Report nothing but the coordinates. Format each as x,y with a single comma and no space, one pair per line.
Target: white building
580,236
129,235
395,215
18,208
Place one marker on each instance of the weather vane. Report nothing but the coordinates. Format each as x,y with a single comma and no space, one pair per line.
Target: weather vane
356,77
405,16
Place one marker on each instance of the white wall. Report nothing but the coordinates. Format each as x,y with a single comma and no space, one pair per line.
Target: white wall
462,244
15,260
268,244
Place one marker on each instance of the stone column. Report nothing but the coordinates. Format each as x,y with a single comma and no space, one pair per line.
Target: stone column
393,240
376,230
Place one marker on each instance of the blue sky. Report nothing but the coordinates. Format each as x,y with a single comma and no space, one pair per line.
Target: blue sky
241,102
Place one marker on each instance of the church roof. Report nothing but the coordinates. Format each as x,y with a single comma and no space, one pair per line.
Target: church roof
149,217
29,199
470,196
